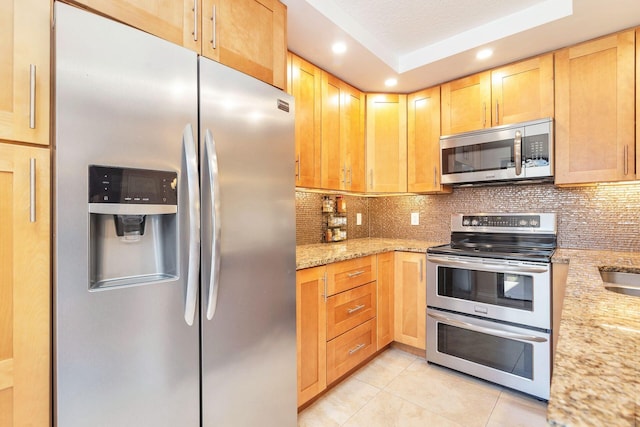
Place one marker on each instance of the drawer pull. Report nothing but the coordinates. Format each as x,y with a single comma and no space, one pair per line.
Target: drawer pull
355,274
356,308
356,348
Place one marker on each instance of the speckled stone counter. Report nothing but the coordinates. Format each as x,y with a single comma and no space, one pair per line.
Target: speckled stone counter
596,376
326,253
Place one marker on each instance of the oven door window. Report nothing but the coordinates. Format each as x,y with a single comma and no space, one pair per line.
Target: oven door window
487,156
507,355
502,289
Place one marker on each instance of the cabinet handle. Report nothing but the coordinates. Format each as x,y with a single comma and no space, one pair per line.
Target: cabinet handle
356,308
344,175
297,171
626,159
371,179
356,348
324,279
350,176
484,114
497,112
195,20
32,190
421,271
32,96
355,274
215,21
435,176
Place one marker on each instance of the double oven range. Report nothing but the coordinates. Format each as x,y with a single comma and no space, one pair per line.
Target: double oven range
489,296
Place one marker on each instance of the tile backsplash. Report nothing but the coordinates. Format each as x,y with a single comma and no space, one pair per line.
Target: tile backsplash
605,217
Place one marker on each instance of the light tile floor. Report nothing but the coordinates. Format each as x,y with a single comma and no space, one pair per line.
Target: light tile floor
398,389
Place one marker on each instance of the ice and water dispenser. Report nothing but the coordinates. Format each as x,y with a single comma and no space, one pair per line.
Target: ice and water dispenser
133,226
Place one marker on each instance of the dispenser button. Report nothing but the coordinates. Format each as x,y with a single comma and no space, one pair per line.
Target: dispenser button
105,198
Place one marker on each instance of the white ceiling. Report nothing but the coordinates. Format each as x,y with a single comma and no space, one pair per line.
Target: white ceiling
426,42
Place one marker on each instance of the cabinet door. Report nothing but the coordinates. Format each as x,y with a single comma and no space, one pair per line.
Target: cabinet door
384,316
248,35
466,104
24,70
386,143
306,89
410,299
25,317
311,327
595,111
353,109
637,99
423,142
333,172
522,91
177,21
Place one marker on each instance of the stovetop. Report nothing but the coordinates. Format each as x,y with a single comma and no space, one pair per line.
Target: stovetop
522,237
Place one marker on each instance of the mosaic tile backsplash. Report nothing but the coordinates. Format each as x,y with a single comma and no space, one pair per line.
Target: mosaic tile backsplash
605,217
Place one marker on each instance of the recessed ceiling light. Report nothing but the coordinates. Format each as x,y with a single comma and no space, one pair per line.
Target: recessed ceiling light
390,82
484,54
339,48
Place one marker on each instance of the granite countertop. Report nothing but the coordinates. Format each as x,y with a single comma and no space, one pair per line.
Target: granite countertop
596,374
326,253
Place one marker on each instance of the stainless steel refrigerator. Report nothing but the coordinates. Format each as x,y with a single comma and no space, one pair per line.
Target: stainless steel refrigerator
174,245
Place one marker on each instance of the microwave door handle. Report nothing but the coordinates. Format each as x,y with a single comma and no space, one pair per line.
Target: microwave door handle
211,158
492,267
495,332
517,152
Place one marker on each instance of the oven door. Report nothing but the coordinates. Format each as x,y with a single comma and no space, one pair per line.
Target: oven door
504,290
507,355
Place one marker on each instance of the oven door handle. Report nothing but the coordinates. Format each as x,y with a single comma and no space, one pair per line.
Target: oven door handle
482,329
488,266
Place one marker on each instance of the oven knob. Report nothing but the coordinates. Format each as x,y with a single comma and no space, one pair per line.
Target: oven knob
523,223
533,222
465,222
474,222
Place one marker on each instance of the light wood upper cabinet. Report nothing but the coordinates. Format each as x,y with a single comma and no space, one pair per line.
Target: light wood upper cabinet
248,35
423,142
466,104
343,148
386,143
595,111
25,296
24,70
410,298
177,21
522,91
305,86
311,327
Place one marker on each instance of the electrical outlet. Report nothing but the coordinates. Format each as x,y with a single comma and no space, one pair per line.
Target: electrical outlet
415,218
358,218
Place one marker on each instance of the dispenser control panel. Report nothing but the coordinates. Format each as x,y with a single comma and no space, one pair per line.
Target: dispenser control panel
108,184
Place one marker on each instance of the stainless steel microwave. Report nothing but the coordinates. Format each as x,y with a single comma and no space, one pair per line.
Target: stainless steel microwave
519,152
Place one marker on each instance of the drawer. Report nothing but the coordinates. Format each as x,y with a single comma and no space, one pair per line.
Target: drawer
350,349
350,308
349,274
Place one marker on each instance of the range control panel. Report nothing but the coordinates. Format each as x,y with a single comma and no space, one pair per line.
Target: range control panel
511,221
108,184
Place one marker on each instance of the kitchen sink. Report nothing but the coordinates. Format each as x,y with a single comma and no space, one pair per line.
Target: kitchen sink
622,282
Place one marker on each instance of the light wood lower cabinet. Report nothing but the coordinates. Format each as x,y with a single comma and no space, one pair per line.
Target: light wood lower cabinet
350,308
311,332
345,275
25,296
384,318
410,297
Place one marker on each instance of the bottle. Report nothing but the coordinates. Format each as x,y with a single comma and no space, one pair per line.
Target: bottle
341,204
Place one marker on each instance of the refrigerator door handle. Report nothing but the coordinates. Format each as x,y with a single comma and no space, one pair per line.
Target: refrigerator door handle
211,159
190,158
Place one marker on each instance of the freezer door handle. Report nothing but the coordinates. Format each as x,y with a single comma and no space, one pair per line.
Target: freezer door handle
211,160
190,159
